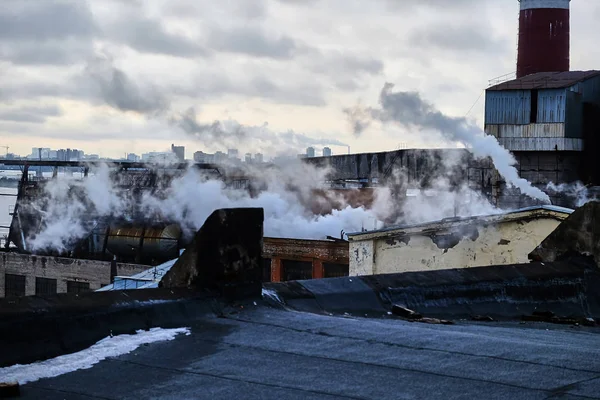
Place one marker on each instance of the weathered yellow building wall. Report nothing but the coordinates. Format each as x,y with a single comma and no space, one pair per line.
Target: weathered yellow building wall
501,243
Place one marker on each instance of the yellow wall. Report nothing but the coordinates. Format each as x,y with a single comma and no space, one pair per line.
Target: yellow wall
502,243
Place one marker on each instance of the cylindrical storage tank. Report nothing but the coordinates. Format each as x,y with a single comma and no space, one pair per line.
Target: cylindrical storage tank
544,37
160,243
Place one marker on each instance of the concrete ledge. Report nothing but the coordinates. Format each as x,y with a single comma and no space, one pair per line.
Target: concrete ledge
502,292
37,328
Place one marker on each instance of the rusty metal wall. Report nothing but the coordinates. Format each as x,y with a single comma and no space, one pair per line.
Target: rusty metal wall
544,41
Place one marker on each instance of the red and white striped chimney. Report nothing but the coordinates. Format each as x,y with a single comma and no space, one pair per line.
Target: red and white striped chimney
544,37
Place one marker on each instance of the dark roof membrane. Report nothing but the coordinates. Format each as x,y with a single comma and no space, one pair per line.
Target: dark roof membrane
546,80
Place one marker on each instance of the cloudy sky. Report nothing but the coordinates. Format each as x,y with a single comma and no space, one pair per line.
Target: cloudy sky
116,76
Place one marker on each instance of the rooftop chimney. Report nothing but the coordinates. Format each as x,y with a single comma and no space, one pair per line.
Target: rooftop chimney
544,37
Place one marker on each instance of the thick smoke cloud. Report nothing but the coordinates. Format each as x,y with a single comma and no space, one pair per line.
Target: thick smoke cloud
289,194
409,110
72,207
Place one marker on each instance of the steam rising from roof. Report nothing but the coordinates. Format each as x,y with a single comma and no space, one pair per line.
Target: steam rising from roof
409,110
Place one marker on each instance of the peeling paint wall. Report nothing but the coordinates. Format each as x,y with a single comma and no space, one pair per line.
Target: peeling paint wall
471,246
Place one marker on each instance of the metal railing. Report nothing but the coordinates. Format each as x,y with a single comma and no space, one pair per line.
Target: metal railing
503,78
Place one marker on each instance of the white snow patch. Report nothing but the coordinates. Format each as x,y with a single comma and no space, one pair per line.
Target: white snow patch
108,347
271,294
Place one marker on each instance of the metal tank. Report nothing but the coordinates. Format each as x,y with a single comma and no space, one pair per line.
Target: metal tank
544,36
160,243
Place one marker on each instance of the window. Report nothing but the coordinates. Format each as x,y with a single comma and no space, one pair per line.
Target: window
266,271
335,270
77,287
296,270
14,285
534,106
45,286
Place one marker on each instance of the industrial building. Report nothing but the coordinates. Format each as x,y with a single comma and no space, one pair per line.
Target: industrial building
549,121
548,116
28,275
295,259
282,260
500,239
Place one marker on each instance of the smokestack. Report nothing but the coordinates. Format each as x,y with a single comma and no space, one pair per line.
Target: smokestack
544,36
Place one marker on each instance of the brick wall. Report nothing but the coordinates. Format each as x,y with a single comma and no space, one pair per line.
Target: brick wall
319,253
94,273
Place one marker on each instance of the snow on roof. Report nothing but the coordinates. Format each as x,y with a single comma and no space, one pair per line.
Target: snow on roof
499,214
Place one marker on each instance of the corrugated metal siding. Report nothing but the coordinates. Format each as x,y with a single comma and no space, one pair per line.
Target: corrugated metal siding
574,115
526,131
541,144
507,107
551,105
590,90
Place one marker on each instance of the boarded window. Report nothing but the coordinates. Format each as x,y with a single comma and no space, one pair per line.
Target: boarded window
45,286
266,272
296,270
77,287
331,270
14,285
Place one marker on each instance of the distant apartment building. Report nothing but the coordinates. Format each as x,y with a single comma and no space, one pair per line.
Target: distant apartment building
204,158
248,158
132,157
160,157
326,152
39,153
258,158
179,152
233,153
310,152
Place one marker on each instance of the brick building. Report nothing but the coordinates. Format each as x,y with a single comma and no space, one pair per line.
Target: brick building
294,259
27,275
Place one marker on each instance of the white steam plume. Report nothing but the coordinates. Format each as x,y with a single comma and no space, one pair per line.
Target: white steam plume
67,205
576,192
71,207
410,110
295,201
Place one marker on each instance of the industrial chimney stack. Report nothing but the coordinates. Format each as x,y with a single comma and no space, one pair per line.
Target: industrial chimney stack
544,38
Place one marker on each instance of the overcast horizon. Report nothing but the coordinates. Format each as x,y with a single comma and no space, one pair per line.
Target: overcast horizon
116,76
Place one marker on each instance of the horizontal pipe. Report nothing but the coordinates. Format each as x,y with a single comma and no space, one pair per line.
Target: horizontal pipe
124,164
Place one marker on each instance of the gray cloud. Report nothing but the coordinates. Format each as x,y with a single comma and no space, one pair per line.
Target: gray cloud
345,70
35,115
122,93
454,37
43,20
52,33
51,52
149,36
254,42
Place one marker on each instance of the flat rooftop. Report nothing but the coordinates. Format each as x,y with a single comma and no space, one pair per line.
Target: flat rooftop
263,353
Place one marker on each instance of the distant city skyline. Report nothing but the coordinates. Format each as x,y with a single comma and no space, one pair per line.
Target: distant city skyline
177,153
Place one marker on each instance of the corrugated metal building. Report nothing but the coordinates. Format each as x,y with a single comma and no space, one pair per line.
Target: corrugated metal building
548,116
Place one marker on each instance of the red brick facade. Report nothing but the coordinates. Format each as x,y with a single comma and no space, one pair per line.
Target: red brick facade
294,257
